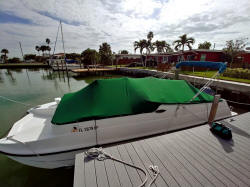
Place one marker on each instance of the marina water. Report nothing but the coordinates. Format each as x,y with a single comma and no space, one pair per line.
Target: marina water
33,87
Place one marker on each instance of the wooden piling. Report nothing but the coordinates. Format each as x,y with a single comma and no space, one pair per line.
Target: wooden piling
176,74
213,109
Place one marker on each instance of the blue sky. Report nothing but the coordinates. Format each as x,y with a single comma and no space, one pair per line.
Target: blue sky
6,17
88,23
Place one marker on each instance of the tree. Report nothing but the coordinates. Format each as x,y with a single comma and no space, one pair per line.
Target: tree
149,43
105,53
43,48
14,60
74,56
38,49
145,44
48,49
90,56
162,46
141,44
233,49
124,52
183,40
48,42
29,57
5,52
204,45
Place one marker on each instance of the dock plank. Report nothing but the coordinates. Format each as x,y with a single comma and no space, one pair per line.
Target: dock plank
189,165
121,170
132,172
198,163
190,157
222,146
234,174
79,171
90,173
113,178
101,175
164,172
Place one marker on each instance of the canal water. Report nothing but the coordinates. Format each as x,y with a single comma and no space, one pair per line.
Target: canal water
34,87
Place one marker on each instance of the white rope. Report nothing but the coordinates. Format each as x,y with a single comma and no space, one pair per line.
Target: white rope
25,104
155,171
101,155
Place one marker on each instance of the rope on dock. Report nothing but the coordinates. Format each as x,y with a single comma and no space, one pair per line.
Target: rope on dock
101,155
25,104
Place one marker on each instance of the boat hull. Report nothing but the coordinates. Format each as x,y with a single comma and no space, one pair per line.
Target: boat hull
59,151
50,161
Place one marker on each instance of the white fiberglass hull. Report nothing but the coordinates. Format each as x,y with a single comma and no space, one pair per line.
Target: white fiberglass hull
36,142
52,161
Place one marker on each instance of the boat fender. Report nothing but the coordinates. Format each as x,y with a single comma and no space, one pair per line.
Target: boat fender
221,130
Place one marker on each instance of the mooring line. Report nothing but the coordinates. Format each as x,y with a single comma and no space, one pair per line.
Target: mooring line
25,104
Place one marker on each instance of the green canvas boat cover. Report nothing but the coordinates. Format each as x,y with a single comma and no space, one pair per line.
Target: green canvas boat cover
124,96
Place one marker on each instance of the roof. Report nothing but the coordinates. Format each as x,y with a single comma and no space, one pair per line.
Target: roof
123,96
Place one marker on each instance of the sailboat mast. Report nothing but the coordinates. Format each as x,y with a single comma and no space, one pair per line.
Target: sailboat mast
21,50
63,47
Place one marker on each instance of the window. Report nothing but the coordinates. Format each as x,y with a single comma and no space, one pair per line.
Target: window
165,58
190,57
203,57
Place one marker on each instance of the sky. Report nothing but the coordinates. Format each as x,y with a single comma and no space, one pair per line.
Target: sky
89,23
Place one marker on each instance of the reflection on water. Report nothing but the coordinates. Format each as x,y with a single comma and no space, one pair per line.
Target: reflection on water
33,86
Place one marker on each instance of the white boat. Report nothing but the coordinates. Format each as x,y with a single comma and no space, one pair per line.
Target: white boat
34,140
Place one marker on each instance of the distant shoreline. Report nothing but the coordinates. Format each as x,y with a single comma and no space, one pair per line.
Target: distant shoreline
24,65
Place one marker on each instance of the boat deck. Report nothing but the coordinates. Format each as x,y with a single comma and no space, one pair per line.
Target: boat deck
190,157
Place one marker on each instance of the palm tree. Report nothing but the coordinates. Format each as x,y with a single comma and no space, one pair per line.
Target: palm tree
38,49
183,40
141,44
162,46
149,46
5,52
48,42
48,49
43,48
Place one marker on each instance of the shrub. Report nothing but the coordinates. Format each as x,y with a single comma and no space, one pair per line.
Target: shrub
237,73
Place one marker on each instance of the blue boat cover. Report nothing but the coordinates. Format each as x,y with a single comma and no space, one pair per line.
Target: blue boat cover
215,65
70,61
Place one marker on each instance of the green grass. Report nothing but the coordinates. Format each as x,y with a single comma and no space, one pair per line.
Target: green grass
148,68
22,64
209,74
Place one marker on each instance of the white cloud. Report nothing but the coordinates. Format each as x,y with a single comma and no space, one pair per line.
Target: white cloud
88,23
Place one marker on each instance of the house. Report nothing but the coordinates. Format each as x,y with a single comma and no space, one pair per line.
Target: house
243,60
56,59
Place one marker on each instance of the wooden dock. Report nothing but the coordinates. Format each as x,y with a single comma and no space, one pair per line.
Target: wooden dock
93,70
191,157
63,67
